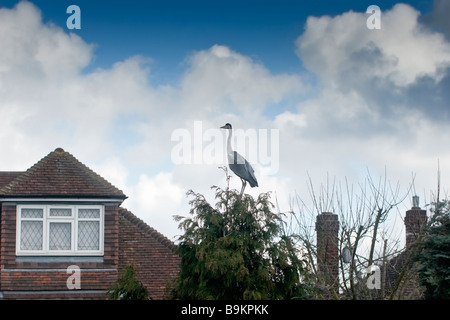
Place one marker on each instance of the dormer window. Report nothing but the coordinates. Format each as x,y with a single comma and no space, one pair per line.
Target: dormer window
55,230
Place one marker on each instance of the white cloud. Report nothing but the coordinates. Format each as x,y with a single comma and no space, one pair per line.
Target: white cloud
382,102
116,171
156,200
220,78
117,122
372,78
343,49
48,50
158,194
113,119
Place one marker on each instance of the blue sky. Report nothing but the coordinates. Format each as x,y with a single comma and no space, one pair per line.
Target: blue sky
345,99
168,31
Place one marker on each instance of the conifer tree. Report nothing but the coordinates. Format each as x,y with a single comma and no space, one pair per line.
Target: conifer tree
434,254
128,287
235,250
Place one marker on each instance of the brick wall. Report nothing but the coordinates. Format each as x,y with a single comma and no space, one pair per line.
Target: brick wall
46,277
327,228
408,286
151,253
415,221
401,277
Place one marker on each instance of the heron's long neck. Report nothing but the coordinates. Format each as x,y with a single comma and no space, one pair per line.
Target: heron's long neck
229,150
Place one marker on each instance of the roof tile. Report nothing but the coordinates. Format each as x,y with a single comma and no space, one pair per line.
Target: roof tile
144,227
7,176
59,174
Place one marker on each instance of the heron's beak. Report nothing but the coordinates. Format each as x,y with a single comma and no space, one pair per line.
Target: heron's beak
223,127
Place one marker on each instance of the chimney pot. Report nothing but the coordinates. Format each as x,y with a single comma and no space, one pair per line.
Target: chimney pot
415,200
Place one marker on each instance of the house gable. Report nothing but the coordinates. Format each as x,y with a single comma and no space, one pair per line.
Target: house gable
59,175
151,254
59,181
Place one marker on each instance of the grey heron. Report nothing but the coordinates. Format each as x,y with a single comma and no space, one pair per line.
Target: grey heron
238,164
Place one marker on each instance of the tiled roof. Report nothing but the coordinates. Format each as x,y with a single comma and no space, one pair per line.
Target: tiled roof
144,227
59,175
7,176
152,254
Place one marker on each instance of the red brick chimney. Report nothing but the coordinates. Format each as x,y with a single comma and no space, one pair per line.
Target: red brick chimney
327,228
415,221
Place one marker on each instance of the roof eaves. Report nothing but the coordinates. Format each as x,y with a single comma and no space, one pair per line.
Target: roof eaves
59,196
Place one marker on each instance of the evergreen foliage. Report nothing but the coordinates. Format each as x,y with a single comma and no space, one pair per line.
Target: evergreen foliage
236,251
128,287
434,254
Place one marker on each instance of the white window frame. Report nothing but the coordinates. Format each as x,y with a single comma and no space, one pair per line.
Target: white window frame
74,219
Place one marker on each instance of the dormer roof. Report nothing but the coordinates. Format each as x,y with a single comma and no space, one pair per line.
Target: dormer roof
58,175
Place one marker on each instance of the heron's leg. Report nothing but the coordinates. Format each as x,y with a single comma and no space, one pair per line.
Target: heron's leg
244,184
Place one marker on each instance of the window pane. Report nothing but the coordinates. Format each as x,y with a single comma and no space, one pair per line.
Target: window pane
89,213
32,213
31,235
59,236
60,212
88,235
